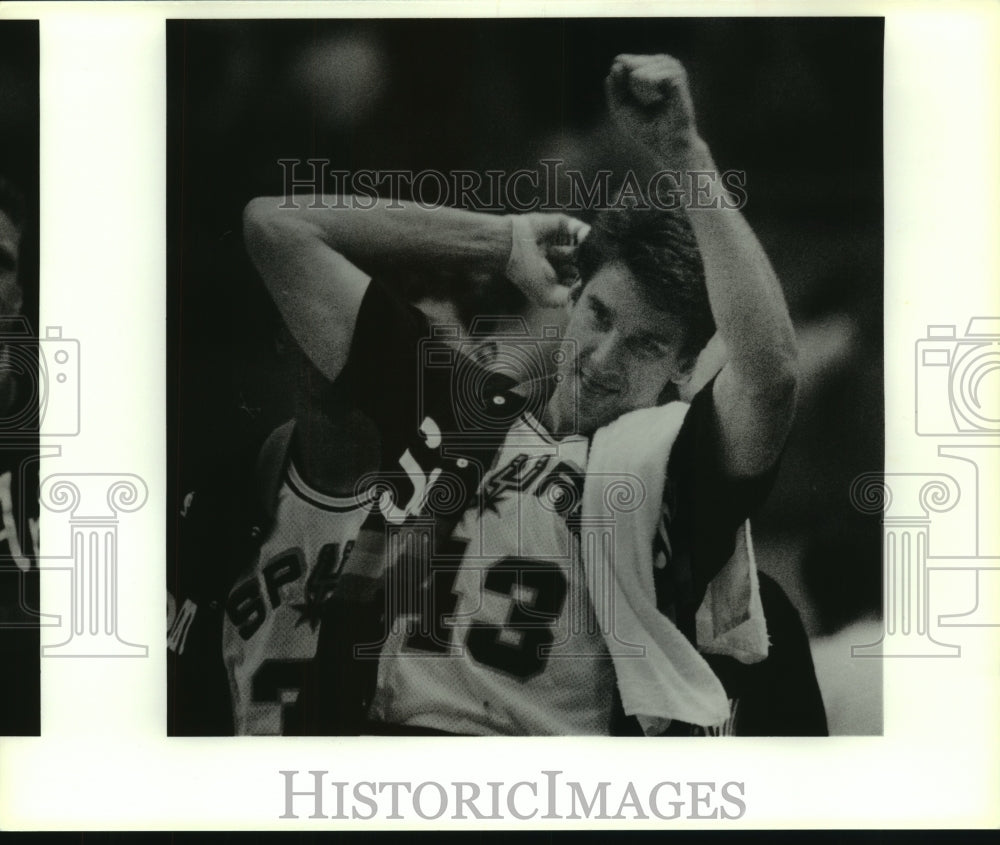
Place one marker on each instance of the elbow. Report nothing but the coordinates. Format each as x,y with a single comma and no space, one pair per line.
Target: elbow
785,389
262,238
779,379
268,220
273,236
258,218
773,377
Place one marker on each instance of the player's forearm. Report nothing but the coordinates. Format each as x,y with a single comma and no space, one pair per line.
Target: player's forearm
745,295
391,233
316,262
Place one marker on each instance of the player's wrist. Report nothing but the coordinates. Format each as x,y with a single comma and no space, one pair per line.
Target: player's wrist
499,235
518,266
685,152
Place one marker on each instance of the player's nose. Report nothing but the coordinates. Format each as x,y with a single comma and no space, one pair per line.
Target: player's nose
606,354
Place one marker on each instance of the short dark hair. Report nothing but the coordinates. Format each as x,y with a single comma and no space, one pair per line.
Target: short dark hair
12,202
659,249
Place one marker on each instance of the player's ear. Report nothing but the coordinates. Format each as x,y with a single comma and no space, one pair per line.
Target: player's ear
682,380
682,377
677,387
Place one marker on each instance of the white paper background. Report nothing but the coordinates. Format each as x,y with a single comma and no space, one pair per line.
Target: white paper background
104,760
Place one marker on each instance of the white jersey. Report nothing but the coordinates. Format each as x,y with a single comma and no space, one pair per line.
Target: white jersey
505,640
272,615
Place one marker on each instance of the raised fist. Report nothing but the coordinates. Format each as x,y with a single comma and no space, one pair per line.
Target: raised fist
541,256
649,100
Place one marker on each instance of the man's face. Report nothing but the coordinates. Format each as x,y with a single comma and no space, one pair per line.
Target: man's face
10,250
620,352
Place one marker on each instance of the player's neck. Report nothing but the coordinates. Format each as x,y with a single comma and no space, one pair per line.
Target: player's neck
557,427
556,423
549,416
332,454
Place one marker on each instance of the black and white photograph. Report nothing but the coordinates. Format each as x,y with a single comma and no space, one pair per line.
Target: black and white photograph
519,373
499,417
22,382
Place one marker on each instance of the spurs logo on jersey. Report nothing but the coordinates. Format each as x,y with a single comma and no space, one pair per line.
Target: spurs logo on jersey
273,611
505,640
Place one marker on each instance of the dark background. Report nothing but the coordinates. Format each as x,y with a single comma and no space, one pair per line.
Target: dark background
20,701
19,141
796,103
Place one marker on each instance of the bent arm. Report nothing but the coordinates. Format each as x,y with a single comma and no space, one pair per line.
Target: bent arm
754,394
315,262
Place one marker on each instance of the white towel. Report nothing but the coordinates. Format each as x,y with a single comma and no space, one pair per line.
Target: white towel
731,620
672,680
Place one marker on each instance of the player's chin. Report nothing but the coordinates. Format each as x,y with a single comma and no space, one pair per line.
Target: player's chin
595,412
